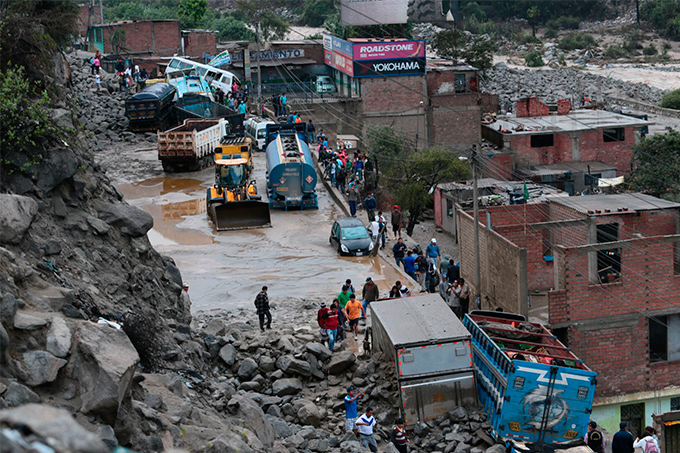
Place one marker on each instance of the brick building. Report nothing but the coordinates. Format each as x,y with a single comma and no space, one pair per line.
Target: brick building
610,268
200,45
90,14
137,38
537,138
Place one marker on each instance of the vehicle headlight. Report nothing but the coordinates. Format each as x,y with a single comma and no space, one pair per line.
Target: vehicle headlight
370,246
344,248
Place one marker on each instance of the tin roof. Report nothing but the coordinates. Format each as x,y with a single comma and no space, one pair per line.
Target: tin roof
628,201
418,319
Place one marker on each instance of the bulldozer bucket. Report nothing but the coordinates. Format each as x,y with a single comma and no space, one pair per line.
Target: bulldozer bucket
240,215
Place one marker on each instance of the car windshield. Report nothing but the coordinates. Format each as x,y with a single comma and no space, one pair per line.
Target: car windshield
356,232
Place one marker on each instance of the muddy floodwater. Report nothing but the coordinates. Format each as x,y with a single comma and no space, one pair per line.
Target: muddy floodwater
226,269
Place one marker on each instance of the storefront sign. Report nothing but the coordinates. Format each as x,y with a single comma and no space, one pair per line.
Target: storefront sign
388,50
339,62
271,54
220,60
387,68
337,45
327,41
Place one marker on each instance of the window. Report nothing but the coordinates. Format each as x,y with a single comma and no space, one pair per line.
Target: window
616,134
633,414
449,207
459,83
676,258
542,140
675,403
664,338
608,261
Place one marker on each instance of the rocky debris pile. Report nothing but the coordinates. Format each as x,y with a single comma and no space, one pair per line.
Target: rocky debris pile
513,84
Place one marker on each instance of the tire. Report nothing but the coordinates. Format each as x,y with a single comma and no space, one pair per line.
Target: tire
423,11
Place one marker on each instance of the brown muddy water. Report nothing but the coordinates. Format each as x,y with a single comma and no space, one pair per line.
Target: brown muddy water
227,269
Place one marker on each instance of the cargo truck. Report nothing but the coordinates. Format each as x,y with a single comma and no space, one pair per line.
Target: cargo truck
190,146
531,386
431,353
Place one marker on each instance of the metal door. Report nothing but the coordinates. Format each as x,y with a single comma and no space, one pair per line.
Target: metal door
671,438
633,414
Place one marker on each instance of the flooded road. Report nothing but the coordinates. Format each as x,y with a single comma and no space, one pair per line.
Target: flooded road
227,269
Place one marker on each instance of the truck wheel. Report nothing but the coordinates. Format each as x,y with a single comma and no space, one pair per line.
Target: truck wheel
168,168
423,11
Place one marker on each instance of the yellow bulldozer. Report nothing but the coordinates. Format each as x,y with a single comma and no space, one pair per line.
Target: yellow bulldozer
233,202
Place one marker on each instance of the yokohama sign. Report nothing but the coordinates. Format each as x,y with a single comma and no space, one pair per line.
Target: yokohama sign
386,68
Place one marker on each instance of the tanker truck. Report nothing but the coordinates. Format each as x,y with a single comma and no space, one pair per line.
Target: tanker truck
291,177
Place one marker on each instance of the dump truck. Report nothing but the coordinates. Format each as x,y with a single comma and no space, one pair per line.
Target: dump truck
291,176
233,202
531,386
191,145
430,350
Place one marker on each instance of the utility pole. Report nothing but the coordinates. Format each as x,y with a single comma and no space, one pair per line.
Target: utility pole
259,69
475,204
637,12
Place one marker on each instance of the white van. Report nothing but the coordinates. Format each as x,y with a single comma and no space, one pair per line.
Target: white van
216,78
256,129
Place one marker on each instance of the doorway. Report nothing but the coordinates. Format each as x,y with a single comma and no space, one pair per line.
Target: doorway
634,414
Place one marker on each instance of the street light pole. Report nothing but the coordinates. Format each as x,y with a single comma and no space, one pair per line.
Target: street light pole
418,122
475,205
259,69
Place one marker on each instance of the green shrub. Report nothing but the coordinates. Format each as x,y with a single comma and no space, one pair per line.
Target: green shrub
650,50
534,59
671,100
564,23
529,39
550,33
577,41
615,52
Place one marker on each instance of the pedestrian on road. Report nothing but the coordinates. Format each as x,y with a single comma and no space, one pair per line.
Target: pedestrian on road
375,231
350,286
354,311
370,205
396,221
410,265
399,250
594,438
453,272
310,131
97,64
98,81
351,413
647,444
382,222
399,438
622,442
321,320
369,293
284,104
444,266
343,298
403,290
262,306
353,198
421,270
433,253
341,178
464,297
453,292
366,423
330,318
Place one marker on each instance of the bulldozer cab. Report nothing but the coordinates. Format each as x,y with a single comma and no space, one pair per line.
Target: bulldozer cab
231,173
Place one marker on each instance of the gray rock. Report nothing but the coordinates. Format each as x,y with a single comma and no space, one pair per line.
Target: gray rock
18,395
8,308
289,386
340,362
462,448
228,442
16,216
4,342
459,414
103,362
351,445
309,414
60,164
59,338
98,226
254,419
51,247
23,321
215,327
57,425
319,350
281,428
266,363
108,436
498,448
247,369
131,220
292,366
228,354
41,367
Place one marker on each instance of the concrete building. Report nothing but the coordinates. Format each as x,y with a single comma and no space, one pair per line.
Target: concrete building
589,136
609,266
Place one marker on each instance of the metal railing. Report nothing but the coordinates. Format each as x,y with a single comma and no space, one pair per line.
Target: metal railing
300,92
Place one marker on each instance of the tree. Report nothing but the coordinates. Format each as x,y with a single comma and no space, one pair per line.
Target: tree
412,183
657,165
386,146
671,100
534,17
231,29
190,12
475,50
315,12
268,24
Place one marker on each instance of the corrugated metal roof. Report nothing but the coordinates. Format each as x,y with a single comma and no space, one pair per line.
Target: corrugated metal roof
417,319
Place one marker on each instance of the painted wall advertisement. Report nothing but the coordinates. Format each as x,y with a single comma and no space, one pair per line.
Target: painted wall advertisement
339,62
391,67
374,12
388,50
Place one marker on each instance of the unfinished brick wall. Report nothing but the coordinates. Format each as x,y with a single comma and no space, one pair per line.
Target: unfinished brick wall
530,107
619,154
199,42
145,37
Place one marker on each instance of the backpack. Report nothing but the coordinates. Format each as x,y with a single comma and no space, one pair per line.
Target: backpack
595,440
650,446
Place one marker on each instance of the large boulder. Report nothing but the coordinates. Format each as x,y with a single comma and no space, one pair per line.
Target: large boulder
292,366
52,426
18,395
61,164
103,361
283,387
131,220
59,337
41,367
8,308
247,369
340,362
320,351
16,215
253,419
309,414
228,354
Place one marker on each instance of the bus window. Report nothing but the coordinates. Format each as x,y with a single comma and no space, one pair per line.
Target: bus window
173,63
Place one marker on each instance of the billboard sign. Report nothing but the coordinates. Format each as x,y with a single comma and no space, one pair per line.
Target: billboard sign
341,46
327,41
375,12
271,54
387,68
339,61
388,50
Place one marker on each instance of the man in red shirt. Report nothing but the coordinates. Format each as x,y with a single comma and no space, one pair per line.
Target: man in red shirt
322,323
331,322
